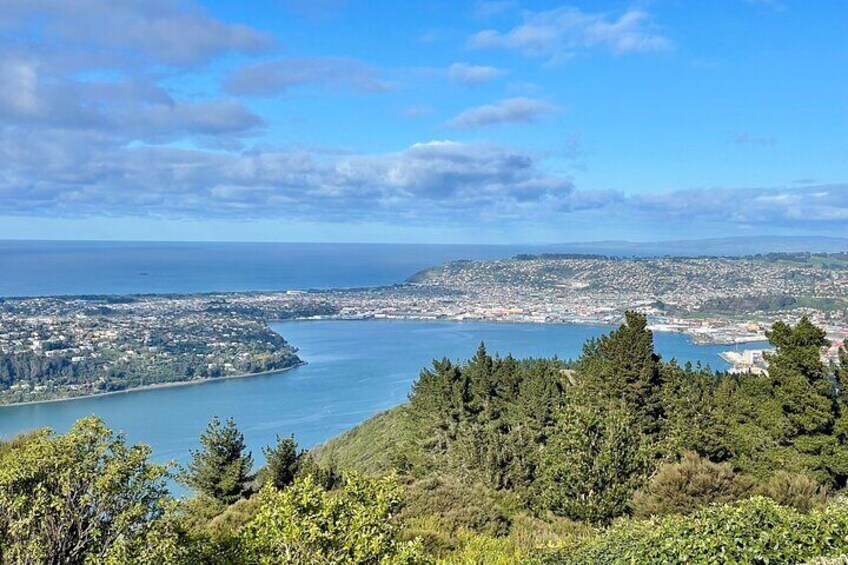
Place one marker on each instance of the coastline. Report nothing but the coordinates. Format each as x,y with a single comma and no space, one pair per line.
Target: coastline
693,337
696,338
174,384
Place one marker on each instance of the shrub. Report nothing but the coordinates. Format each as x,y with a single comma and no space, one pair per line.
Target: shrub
438,508
484,550
797,490
754,531
841,560
82,497
306,525
682,488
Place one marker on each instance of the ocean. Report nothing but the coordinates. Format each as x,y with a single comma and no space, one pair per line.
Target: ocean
40,268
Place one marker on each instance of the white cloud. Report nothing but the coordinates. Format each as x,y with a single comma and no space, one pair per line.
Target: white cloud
509,110
562,32
66,174
275,77
474,74
162,31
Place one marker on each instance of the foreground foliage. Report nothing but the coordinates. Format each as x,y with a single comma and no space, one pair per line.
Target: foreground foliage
82,497
755,531
617,433
306,525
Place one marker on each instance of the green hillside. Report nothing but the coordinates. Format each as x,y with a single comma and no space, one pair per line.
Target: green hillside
617,458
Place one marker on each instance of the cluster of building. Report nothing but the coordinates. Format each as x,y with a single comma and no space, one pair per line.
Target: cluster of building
715,300
61,346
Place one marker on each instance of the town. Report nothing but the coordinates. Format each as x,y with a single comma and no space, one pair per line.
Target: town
59,347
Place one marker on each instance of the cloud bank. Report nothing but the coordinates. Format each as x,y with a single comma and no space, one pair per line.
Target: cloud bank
89,127
276,77
563,32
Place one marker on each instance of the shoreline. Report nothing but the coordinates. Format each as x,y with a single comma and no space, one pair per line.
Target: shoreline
156,386
695,337
575,322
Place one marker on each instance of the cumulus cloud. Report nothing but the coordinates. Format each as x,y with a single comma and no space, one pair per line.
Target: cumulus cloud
564,31
276,77
749,206
128,109
62,172
509,110
51,173
473,74
162,31
94,69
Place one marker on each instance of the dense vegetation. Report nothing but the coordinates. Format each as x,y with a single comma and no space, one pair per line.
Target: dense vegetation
617,457
617,437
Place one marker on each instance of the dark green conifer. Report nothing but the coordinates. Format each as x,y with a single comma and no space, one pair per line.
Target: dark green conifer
283,462
221,469
623,366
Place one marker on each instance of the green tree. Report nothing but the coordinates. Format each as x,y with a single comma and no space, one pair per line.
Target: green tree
83,497
594,461
283,462
808,396
623,366
306,525
221,469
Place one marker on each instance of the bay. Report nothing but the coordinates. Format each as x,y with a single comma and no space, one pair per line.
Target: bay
355,369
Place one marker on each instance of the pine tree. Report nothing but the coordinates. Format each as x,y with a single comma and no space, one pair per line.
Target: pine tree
221,469
800,378
283,462
623,366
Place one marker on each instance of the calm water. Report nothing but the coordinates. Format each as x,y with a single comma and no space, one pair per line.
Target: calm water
356,368
39,268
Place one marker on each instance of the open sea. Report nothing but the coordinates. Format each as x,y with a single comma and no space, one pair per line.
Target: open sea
355,368
44,268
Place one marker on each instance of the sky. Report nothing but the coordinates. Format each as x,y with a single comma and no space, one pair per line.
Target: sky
423,121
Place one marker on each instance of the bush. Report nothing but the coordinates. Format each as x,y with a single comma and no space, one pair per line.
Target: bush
457,505
82,497
684,487
797,490
841,560
754,531
484,550
306,525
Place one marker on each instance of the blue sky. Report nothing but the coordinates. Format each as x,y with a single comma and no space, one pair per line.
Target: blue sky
483,121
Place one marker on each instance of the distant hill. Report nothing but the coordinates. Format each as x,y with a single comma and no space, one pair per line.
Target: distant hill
728,246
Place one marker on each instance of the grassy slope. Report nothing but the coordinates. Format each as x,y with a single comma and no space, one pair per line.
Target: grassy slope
368,448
